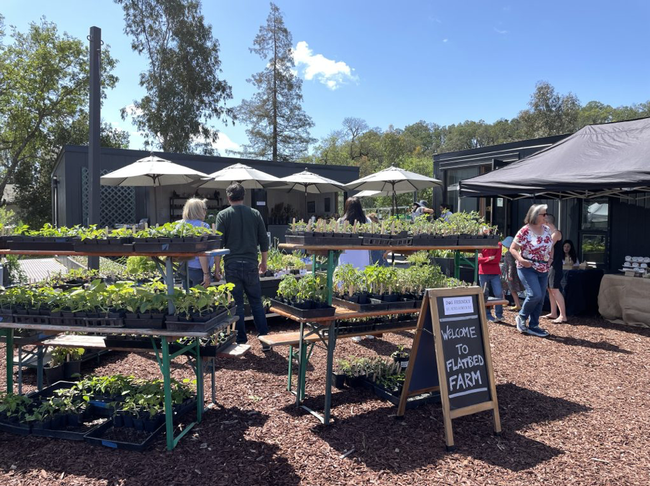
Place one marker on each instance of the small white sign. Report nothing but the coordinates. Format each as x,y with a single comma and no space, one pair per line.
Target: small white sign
261,203
458,305
499,202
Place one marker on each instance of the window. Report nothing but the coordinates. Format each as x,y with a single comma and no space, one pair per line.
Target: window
595,213
453,177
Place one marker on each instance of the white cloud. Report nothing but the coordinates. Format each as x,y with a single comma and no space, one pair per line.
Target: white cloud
223,144
316,66
498,31
445,40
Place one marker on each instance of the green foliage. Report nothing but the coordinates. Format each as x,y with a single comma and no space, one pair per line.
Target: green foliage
139,265
278,126
43,92
183,88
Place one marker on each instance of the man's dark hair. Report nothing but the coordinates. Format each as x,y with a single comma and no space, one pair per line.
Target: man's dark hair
236,192
445,206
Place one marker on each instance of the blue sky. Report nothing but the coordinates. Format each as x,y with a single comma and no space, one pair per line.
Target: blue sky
395,63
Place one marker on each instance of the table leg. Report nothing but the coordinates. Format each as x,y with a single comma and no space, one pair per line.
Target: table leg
302,366
169,280
290,368
457,264
475,266
200,399
169,411
9,333
331,344
20,370
39,367
213,380
330,275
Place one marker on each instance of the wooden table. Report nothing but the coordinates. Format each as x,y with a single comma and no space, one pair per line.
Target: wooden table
163,356
325,330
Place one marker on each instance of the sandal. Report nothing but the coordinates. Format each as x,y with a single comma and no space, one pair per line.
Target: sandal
560,321
549,316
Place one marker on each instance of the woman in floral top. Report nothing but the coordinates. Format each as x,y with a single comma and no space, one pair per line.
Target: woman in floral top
532,248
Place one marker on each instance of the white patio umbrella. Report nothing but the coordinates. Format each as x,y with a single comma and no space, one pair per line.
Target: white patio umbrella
151,171
311,183
394,180
247,176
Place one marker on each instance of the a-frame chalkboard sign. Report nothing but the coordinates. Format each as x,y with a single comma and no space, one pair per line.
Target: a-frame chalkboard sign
451,353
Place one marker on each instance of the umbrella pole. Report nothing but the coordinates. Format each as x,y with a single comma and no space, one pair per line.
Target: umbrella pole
306,211
155,206
394,200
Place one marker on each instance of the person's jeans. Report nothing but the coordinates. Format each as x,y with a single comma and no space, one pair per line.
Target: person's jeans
535,283
245,275
377,257
493,281
195,276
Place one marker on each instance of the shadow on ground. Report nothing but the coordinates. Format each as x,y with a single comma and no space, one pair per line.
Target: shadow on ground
216,452
418,440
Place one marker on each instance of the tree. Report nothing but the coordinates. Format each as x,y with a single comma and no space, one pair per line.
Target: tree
184,91
33,182
279,127
549,113
43,87
354,128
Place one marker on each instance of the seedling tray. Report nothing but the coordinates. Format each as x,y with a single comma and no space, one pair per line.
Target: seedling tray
96,437
171,246
375,305
145,323
69,433
102,321
402,304
431,240
304,313
18,428
218,321
26,243
104,248
411,402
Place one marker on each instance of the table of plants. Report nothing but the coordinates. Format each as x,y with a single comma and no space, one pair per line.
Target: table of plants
174,322
347,302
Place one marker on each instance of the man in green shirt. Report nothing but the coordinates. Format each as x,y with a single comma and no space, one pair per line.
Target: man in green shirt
243,231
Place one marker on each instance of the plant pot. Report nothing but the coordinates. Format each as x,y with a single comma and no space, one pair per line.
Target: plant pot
54,374
354,381
338,379
70,369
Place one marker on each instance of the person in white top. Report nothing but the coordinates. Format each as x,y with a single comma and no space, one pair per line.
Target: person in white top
359,259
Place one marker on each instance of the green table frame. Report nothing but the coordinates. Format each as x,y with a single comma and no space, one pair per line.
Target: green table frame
163,356
325,328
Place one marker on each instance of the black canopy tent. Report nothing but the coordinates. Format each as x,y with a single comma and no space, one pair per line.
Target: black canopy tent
611,159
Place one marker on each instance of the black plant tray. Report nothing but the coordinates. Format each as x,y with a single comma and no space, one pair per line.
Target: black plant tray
376,240
411,402
303,313
375,305
26,243
402,304
95,437
102,321
103,247
116,342
464,240
69,433
212,351
218,321
49,391
17,429
145,323
353,240
435,241
30,319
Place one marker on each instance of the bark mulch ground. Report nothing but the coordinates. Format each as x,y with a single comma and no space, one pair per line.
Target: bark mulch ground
574,410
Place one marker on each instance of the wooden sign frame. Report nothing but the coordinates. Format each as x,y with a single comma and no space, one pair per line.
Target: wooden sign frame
430,309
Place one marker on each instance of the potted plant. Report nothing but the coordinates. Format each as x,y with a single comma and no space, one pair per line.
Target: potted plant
72,363
54,370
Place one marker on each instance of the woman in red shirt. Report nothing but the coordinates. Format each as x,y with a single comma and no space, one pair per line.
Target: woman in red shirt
489,274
